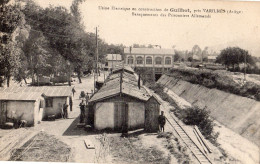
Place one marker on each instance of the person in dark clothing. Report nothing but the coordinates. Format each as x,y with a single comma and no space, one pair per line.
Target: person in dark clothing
71,103
87,98
162,121
73,91
82,111
65,110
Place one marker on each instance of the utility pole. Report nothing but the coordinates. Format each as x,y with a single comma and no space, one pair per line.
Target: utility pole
97,50
96,64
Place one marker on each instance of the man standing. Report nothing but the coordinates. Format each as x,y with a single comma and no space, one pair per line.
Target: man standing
65,110
73,91
162,121
82,111
71,103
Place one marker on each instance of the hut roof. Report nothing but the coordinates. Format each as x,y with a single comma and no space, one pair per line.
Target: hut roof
111,88
21,96
121,67
49,91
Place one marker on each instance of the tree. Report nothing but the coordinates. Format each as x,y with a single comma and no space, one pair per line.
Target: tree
64,32
10,19
196,52
232,56
36,54
176,57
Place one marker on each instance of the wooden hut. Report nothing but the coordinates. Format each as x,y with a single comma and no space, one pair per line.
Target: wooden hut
26,106
55,97
121,103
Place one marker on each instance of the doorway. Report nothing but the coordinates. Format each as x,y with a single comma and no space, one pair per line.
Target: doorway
121,116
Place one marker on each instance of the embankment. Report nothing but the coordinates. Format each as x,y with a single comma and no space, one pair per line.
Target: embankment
238,113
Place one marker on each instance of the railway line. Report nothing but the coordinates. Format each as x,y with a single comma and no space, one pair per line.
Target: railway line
194,148
196,151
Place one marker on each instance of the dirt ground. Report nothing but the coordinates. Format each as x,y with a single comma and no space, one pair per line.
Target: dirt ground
66,130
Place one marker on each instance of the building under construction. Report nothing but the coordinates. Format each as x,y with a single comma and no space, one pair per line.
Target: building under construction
122,102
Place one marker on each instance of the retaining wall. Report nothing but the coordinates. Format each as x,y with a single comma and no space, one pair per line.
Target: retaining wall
238,113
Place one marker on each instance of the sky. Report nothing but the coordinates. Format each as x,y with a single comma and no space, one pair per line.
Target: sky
218,32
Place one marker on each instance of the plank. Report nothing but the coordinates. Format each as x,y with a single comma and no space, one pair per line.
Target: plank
89,144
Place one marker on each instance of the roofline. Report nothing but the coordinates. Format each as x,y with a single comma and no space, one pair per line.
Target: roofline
95,101
16,100
58,96
146,54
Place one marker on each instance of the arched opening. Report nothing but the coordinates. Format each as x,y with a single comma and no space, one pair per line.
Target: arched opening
139,60
149,60
130,60
158,60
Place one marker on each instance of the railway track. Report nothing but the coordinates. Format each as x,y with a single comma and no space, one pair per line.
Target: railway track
196,151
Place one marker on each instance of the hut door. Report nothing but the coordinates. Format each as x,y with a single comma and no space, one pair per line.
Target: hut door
3,112
121,115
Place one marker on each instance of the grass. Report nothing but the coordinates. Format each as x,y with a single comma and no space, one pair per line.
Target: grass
176,148
44,148
130,150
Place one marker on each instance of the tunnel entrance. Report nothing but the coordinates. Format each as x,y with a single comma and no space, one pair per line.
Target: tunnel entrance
157,76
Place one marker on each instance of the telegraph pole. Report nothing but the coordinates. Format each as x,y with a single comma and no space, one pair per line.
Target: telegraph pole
96,64
97,50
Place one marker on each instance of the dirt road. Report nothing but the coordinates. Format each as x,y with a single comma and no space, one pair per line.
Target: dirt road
67,131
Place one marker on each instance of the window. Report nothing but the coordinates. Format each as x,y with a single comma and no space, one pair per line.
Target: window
130,60
49,102
168,61
139,60
106,64
158,60
149,60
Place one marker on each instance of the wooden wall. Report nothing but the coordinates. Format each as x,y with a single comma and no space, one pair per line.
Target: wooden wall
152,110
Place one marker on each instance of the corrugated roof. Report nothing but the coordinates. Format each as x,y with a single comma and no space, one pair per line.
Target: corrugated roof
20,96
114,57
128,89
111,88
149,51
49,91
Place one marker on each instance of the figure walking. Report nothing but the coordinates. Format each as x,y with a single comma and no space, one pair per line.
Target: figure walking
73,91
162,121
65,110
82,111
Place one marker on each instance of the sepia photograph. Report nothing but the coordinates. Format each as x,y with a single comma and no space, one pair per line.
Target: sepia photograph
140,81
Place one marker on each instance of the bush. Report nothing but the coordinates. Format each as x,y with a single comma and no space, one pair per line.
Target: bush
201,118
211,79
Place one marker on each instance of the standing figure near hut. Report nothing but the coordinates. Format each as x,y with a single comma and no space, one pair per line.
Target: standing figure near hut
87,98
73,91
162,121
71,103
82,111
65,110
